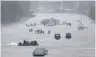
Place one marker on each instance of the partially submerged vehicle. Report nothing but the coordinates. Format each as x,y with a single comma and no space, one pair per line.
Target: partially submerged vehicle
68,35
57,36
40,52
82,27
50,22
27,43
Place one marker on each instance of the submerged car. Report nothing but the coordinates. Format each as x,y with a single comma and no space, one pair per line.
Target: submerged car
50,22
57,36
40,52
68,35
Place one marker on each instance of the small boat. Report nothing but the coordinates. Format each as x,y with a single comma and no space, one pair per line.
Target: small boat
27,43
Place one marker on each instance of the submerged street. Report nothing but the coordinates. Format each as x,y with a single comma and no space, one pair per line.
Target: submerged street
82,43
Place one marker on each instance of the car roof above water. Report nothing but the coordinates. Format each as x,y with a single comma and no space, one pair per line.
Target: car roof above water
40,49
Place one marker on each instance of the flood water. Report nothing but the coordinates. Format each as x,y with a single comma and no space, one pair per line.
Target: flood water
82,43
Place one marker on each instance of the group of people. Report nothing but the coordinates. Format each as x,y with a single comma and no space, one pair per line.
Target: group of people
67,23
39,31
28,43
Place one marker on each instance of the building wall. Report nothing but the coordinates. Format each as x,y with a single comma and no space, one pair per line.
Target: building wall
87,8
13,11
